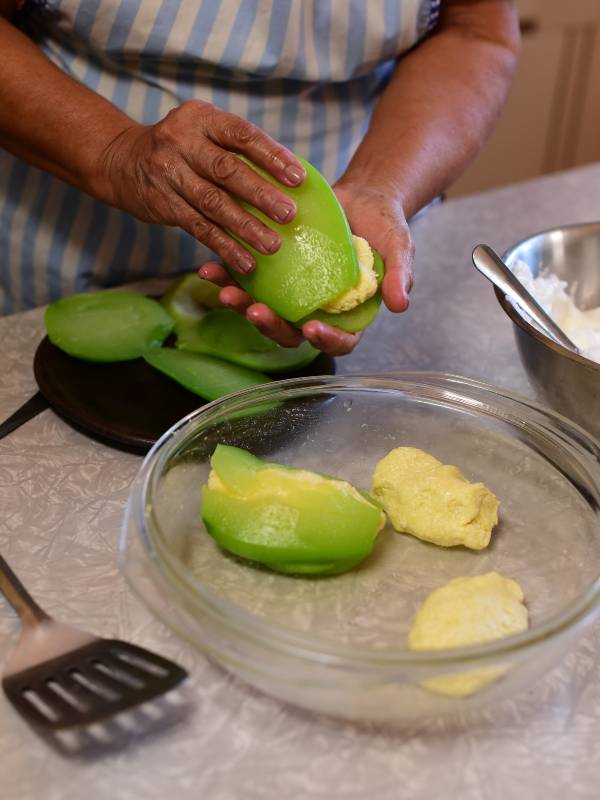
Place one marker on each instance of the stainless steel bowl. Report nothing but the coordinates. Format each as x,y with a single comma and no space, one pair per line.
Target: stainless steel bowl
568,382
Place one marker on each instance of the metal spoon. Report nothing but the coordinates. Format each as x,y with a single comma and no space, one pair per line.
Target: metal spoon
489,263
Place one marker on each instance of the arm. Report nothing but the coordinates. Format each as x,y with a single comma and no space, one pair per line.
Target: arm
173,173
433,118
48,119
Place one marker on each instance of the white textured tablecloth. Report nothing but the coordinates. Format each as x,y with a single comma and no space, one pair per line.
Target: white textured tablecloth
61,502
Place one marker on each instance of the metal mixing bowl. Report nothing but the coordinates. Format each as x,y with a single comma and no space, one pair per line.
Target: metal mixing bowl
568,382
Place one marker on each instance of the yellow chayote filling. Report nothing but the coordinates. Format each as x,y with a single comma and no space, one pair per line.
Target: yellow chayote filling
467,611
366,285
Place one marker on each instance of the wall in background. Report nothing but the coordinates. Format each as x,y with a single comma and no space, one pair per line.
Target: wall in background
552,118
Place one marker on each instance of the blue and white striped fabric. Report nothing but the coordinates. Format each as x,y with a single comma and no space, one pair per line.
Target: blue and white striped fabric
307,71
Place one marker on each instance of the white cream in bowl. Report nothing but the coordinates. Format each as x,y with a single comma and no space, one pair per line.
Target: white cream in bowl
582,327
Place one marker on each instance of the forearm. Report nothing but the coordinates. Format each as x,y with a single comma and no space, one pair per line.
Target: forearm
51,120
181,171
441,104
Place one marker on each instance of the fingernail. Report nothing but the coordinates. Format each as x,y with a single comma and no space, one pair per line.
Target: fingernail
202,272
283,212
245,263
294,174
270,242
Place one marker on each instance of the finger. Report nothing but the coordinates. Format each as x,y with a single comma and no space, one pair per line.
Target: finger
205,231
271,325
225,169
330,340
235,298
218,206
240,136
215,273
394,290
398,279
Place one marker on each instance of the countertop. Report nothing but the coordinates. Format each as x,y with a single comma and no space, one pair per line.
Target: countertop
62,498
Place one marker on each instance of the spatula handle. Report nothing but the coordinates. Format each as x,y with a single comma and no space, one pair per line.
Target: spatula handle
18,596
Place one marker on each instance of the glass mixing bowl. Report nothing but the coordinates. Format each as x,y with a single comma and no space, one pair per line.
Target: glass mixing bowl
338,644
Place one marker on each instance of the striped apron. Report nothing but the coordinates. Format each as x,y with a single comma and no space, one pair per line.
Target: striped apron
307,71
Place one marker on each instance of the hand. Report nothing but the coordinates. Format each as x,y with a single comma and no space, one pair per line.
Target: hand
330,340
376,216
372,215
182,172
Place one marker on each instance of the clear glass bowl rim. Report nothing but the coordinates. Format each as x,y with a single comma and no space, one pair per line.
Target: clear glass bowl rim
582,610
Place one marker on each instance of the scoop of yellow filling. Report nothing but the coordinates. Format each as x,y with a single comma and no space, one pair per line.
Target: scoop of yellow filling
367,281
434,501
467,611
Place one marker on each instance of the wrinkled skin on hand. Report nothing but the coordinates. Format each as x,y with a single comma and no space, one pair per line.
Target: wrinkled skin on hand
379,219
183,172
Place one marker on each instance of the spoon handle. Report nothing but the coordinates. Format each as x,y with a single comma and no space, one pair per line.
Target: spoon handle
495,270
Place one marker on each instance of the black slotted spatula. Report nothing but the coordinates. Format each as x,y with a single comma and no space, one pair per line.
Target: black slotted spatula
61,677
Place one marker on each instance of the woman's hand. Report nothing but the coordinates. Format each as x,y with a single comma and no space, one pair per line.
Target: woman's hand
372,215
330,340
378,217
183,172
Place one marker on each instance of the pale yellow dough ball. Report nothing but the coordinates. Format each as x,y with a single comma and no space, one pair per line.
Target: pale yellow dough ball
467,611
434,501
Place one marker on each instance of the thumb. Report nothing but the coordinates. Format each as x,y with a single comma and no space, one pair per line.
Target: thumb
398,280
